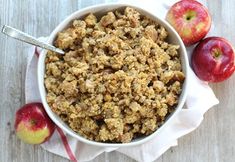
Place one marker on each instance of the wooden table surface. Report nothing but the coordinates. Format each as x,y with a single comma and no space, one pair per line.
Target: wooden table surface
213,141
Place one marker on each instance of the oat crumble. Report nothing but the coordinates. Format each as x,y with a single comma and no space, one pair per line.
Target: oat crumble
119,78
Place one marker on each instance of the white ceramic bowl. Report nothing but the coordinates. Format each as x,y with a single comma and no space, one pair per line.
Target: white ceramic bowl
101,10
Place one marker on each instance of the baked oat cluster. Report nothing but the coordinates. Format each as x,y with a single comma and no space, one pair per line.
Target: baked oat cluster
119,78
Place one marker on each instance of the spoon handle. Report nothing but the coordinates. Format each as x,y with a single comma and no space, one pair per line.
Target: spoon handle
14,33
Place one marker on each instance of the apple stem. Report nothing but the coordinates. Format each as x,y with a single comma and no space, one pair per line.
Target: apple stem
33,122
190,15
216,53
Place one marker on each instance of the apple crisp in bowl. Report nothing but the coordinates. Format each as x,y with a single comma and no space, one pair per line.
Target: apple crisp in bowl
120,79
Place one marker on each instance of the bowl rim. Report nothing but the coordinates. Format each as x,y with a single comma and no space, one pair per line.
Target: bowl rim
80,13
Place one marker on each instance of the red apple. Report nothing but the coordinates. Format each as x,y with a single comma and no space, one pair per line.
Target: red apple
213,59
32,124
190,19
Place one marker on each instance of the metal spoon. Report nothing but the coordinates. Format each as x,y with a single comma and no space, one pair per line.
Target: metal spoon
17,34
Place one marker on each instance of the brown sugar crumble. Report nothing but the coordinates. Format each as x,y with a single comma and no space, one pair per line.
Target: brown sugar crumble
119,78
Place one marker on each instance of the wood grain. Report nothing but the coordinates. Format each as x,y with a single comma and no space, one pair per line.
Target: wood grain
213,141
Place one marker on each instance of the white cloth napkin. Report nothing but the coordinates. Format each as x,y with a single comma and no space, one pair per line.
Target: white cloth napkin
200,98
